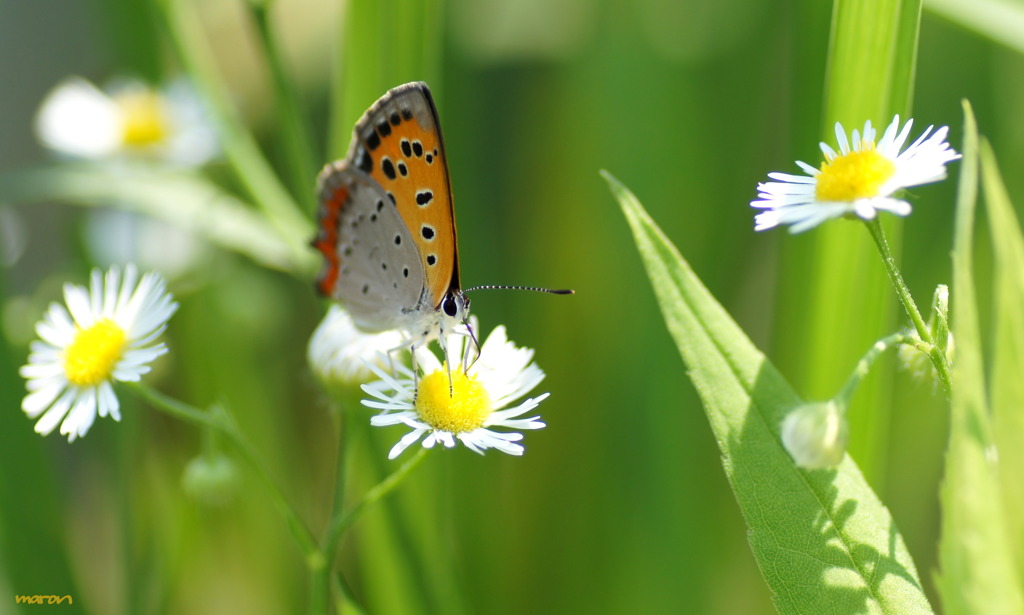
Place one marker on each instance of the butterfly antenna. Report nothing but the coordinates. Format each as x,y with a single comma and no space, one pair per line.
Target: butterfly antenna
552,291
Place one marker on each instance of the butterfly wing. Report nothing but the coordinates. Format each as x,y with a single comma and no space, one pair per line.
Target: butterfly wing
371,262
398,143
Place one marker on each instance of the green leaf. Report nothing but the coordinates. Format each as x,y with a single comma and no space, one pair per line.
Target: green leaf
979,573
186,200
996,20
872,59
1006,387
823,540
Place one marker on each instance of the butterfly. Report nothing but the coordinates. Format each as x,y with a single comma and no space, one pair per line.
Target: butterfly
387,223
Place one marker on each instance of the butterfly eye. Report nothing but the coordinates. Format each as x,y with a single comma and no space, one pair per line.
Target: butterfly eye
450,306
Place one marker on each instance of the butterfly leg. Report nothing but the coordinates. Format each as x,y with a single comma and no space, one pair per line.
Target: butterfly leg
442,340
466,363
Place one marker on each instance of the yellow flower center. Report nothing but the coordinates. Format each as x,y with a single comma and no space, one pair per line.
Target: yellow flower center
459,409
91,358
857,175
144,121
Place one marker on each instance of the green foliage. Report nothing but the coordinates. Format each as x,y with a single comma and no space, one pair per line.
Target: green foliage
823,540
980,547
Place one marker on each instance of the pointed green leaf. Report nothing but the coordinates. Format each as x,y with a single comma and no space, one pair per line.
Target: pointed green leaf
1006,387
823,540
978,568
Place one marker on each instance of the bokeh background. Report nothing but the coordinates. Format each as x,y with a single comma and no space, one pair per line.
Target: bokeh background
620,504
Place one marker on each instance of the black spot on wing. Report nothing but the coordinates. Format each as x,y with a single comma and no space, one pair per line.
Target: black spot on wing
364,161
372,141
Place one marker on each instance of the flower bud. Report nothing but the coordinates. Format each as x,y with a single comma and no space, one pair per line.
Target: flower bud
816,434
210,479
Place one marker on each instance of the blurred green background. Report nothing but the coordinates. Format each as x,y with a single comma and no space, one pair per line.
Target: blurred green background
620,504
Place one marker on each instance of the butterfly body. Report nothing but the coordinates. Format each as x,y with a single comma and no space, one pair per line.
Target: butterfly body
387,224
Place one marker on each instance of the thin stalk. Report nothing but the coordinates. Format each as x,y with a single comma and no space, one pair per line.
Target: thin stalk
864,365
221,421
373,496
319,594
295,131
935,353
342,521
244,155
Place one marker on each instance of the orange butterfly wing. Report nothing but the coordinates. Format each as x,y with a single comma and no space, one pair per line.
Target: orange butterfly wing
398,143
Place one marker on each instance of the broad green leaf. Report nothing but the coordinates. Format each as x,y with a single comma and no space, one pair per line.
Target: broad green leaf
823,540
1006,387
978,568
183,199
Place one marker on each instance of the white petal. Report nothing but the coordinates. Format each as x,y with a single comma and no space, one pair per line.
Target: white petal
56,413
79,120
108,402
404,443
35,403
79,305
82,415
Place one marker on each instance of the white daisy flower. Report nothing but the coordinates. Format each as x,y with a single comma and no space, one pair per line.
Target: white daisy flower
78,119
339,352
467,405
105,333
859,180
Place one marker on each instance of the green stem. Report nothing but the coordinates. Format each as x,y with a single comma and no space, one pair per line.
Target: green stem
935,353
253,170
295,131
383,488
221,421
319,594
341,522
346,602
864,365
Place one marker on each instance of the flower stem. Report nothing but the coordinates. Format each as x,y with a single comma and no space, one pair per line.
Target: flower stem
373,496
296,134
220,420
342,521
319,594
936,355
864,365
252,168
